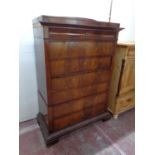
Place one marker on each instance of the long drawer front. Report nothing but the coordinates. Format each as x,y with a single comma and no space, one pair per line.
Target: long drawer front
79,80
69,49
74,111
63,67
73,94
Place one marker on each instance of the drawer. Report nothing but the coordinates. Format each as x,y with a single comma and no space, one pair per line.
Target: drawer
59,68
73,30
73,94
56,33
79,116
125,102
73,106
79,81
70,49
81,37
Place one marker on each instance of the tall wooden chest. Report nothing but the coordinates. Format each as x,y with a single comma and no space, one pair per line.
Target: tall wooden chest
74,58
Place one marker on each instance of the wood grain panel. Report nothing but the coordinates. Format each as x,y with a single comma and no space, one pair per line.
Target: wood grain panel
76,117
79,37
78,81
69,49
78,105
72,94
125,102
60,67
80,30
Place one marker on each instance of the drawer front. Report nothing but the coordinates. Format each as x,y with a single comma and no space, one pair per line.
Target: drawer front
60,68
79,36
72,94
125,102
78,81
68,108
57,33
69,49
76,117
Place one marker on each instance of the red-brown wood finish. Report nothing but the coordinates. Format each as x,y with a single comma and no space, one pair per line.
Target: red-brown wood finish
74,60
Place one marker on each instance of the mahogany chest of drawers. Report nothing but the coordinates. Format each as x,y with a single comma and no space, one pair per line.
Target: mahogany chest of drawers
74,58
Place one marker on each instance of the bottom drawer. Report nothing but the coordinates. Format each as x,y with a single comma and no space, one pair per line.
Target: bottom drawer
77,117
125,102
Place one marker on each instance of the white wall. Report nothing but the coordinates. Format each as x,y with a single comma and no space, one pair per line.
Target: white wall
122,12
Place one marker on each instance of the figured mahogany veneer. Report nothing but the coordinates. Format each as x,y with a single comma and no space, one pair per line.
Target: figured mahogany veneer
74,58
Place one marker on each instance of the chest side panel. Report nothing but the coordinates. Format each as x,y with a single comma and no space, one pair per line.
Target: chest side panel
40,61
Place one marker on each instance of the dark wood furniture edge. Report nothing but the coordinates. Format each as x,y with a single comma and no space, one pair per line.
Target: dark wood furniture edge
52,138
45,131
81,21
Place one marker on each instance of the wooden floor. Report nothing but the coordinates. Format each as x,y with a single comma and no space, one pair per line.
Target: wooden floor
114,137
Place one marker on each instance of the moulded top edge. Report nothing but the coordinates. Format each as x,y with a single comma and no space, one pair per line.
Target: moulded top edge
73,21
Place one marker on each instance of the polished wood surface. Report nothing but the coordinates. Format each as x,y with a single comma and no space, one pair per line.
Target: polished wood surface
78,80
74,58
122,88
76,21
